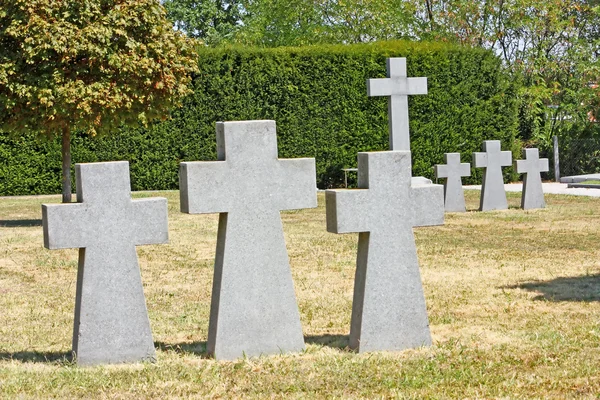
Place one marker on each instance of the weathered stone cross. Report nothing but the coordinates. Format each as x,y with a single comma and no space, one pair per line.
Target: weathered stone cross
453,171
493,195
397,86
531,166
111,320
254,309
388,310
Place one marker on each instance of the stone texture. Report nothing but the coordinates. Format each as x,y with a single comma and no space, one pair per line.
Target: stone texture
453,171
428,203
254,309
533,194
493,195
388,309
397,86
111,320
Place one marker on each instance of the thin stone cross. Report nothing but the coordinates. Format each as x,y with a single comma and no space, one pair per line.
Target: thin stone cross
111,319
453,171
397,86
493,195
254,309
388,309
531,166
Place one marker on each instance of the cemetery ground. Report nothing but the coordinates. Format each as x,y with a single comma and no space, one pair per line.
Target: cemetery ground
513,299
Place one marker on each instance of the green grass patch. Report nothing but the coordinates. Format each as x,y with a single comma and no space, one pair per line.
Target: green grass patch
513,299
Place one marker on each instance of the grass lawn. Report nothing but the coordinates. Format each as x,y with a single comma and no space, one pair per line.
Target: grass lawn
513,300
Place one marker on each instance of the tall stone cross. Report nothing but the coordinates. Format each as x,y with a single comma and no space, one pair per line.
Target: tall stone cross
111,320
531,166
397,86
453,171
388,309
254,309
493,195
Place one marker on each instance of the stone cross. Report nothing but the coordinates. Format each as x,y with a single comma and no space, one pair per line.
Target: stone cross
397,86
254,309
493,195
111,320
453,171
531,166
388,309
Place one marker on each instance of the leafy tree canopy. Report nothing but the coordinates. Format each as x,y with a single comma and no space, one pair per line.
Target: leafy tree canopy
88,64
212,21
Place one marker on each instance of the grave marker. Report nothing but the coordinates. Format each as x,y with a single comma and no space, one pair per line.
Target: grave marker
531,166
253,309
453,171
111,321
493,195
388,309
397,87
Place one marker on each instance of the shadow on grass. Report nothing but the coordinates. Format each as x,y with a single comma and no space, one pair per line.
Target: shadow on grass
577,288
19,223
199,348
60,357
334,341
194,348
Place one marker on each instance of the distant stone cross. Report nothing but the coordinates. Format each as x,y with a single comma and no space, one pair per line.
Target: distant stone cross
388,310
531,166
453,171
397,86
111,320
254,309
493,195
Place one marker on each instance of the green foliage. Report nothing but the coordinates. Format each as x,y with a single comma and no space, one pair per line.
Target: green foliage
88,65
318,97
210,21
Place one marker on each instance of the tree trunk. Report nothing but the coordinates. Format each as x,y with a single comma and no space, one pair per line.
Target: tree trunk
66,165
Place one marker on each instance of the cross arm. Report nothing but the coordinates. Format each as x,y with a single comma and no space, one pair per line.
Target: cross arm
150,221
480,160
465,169
505,158
65,225
297,183
347,210
396,86
521,166
204,187
440,171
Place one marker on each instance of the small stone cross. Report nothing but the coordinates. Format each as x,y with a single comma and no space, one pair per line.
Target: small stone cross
531,166
111,319
254,309
493,195
397,86
388,309
453,171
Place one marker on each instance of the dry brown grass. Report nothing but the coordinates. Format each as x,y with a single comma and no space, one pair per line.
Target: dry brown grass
513,299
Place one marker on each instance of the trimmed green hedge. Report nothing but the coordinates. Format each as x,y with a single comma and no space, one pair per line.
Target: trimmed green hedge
318,97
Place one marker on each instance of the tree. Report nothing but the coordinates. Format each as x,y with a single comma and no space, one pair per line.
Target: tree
88,65
211,21
551,46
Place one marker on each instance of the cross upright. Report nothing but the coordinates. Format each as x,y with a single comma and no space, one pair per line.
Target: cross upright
397,86
533,194
253,309
493,195
388,309
111,320
453,171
